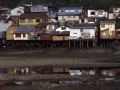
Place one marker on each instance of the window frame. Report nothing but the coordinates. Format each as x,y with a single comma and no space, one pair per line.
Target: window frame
30,20
22,20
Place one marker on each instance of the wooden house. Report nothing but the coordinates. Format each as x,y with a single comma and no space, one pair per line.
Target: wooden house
5,12
50,10
9,32
30,20
69,13
97,13
13,20
21,34
45,30
114,12
61,36
27,8
106,26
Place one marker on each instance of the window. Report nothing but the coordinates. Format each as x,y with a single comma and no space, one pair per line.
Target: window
50,27
35,8
19,12
100,13
76,10
63,28
92,13
24,35
69,16
75,34
81,30
30,20
62,10
82,20
22,20
44,7
62,17
110,25
73,16
37,20
17,35
103,25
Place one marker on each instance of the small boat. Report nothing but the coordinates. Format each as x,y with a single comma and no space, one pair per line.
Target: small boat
19,83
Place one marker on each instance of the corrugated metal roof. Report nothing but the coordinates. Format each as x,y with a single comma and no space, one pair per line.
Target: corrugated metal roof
21,30
4,26
54,20
32,15
70,8
68,13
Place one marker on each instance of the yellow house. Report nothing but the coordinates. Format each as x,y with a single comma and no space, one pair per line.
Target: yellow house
108,25
31,19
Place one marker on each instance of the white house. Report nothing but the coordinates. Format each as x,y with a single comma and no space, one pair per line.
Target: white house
113,12
97,13
63,28
17,11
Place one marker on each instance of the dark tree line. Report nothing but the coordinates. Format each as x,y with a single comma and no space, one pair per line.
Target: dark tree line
93,4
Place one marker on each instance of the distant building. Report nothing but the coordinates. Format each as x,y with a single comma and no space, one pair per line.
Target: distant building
114,12
17,11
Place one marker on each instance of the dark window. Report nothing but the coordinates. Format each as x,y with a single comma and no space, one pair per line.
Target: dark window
92,13
24,35
46,35
82,20
81,30
37,20
18,35
63,28
19,12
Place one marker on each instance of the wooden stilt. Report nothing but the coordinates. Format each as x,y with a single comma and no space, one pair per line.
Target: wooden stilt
74,43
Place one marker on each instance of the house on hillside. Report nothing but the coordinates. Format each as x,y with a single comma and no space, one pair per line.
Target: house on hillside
84,30
50,10
69,13
5,12
114,12
17,11
107,29
30,20
44,31
97,13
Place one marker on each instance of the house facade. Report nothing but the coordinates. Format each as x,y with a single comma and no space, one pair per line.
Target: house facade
97,13
67,16
17,11
21,34
50,10
114,12
69,13
30,20
108,27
